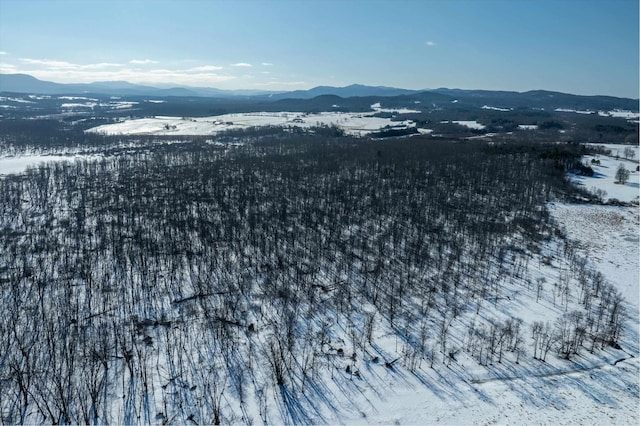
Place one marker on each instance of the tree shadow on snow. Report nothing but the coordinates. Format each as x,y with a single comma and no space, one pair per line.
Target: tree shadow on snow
292,408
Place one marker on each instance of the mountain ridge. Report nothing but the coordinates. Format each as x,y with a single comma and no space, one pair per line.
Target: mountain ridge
25,83
474,98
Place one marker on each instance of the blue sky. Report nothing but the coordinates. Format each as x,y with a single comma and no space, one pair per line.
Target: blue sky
575,46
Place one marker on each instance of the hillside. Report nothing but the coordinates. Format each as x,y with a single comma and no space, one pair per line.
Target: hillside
302,278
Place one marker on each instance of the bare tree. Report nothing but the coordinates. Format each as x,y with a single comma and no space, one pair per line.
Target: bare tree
629,153
622,174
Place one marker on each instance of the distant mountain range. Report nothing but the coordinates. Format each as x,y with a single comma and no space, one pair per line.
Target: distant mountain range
345,92
23,83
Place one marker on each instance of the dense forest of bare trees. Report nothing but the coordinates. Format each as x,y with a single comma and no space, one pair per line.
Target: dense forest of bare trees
187,283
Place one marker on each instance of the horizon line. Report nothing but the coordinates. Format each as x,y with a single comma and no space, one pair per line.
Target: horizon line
169,86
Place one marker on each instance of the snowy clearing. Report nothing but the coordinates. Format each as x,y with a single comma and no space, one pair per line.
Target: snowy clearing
605,175
617,150
378,108
471,124
597,396
357,124
574,110
630,115
608,236
18,100
20,164
79,105
497,108
76,98
528,126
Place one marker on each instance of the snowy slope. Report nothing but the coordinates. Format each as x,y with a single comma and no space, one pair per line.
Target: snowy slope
587,389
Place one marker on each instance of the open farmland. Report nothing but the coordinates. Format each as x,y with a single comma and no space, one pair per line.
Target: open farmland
357,124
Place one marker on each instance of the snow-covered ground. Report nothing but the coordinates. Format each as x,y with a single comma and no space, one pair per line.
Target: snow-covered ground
496,108
582,392
632,116
574,110
598,396
589,389
17,100
378,108
605,174
608,236
91,105
358,124
528,126
629,115
470,124
617,150
19,164
467,123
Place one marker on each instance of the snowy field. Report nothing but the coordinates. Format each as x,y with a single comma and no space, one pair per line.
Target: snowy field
598,396
378,108
617,150
528,126
20,163
605,174
75,103
609,236
497,108
466,123
631,116
357,124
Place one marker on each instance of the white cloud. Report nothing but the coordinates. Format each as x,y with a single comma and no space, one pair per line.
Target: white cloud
8,68
49,63
267,64
64,65
204,68
100,65
142,61
143,71
132,75
2,52
430,43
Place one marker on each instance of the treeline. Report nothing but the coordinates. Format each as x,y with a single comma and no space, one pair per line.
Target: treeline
19,135
189,283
